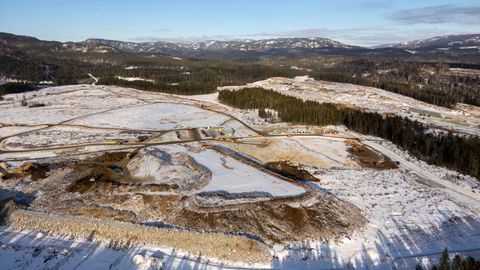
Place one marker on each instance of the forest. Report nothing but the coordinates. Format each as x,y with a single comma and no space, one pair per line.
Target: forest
16,87
431,82
436,82
196,80
432,95
454,152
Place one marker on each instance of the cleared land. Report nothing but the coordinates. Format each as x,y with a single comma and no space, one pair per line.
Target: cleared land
223,186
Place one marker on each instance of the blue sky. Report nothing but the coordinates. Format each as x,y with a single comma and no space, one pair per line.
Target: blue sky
359,22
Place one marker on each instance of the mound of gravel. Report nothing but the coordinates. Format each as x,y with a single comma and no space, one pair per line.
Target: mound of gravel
155,166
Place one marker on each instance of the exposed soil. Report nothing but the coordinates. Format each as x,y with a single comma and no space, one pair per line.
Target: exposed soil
278,221
219,246
96,187
290,170
368,158
95,182
108,213
35,170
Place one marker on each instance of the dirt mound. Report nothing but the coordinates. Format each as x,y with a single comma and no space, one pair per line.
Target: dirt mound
219,246
290,170
148,170
368,158
100,187
154,166
37,171
319,216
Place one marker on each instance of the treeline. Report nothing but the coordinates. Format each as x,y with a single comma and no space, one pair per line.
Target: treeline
458,263
453,152
16,87
183,88
195,79
61,72
432,95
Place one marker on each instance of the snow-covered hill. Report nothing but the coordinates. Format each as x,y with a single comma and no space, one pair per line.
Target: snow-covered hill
214,45
463,42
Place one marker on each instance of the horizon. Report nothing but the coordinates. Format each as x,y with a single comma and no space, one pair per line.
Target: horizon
362,23
235,39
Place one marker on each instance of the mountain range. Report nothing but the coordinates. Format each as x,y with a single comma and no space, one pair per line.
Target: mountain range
443,46
449,42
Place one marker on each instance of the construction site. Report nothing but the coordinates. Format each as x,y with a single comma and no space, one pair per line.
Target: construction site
169,182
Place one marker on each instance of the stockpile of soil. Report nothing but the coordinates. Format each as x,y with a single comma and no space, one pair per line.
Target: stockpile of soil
212,245
291,171
319,216
368,158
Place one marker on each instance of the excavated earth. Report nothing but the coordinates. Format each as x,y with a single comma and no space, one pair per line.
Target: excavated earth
118,186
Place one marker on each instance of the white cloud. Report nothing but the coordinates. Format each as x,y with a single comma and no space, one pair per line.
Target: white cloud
439,15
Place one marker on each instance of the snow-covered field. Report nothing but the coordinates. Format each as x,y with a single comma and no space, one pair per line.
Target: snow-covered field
155,117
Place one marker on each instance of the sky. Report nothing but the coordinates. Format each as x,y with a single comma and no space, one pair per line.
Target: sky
356,22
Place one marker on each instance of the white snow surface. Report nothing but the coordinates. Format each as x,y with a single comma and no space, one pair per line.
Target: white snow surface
33,250
232,176
155,117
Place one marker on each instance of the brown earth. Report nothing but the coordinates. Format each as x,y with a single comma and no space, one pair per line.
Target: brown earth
290,170
368,158
317,216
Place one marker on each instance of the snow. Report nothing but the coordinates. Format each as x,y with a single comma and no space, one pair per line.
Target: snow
155,117
32,250
232,176
413,212
41,115
66,135
154,166
28,155
12,130
370,99
131,79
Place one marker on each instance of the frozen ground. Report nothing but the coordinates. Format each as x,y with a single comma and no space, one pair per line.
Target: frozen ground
41,115
155,117
234,177
413,212
68,135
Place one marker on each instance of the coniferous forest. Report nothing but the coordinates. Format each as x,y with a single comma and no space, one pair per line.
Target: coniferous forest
432,95
454,152
16,87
